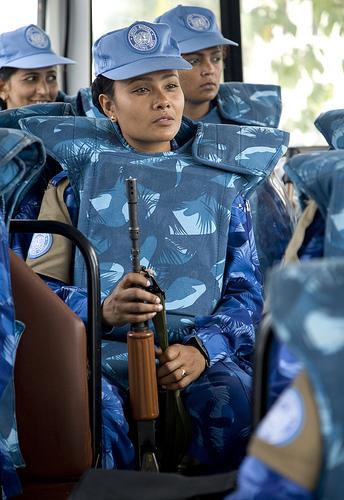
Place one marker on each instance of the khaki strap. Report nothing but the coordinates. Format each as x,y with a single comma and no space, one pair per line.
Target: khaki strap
299,458
56,262
296,241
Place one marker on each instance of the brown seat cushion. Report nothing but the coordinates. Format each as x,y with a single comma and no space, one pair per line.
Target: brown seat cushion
51,389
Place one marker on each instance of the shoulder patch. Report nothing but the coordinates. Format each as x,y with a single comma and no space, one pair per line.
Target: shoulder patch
40,245
285,420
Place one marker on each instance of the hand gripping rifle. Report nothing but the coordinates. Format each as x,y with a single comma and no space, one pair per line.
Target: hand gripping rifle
141,357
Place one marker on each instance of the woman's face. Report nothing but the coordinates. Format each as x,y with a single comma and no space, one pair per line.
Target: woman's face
148,109
30,86
201,83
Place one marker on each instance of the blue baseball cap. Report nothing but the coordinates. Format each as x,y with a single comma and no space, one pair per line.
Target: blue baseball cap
194,28
28,47
138,49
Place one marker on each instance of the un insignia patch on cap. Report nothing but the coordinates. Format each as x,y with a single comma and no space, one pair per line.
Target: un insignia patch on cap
40,245
142,38
285,420
198,22
37,38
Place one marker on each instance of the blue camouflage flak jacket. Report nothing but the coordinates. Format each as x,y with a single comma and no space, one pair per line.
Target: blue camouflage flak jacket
272,213
306,304
307,314
27,204
21,159
331,125
256,481
317,175
246,104
184,233
320,175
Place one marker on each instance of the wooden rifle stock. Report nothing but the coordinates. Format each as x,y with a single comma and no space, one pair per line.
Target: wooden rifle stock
142,375
143,386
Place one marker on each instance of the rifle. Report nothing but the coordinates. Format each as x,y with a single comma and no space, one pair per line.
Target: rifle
143,387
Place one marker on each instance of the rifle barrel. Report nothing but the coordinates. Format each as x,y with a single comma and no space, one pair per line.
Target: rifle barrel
134,230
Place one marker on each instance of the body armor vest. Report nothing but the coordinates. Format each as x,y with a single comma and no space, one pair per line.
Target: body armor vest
272,213
331,125
249,104
307,313
31,157
184,231
21,160
320,176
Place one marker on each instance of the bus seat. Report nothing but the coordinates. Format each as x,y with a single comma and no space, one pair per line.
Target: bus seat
51,383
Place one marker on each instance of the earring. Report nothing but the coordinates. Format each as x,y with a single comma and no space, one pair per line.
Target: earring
113,119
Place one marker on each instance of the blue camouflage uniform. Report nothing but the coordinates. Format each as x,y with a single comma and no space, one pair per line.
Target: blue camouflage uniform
307,315
331,125
27,206
318,176
310,174
221,307
22,158
313,328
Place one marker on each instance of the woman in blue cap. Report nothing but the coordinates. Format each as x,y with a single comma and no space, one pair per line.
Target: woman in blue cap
195,234
28,73
204,47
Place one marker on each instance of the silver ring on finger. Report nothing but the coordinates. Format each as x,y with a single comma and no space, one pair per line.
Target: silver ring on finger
183,373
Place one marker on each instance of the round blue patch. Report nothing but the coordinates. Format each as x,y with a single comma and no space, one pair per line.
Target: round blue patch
142,37
285,420
40,245
198,22
37,38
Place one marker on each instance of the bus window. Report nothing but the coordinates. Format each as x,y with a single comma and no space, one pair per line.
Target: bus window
22,12
298,45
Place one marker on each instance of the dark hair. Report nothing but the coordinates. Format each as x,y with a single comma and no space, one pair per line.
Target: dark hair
5,75
225,52
101,85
